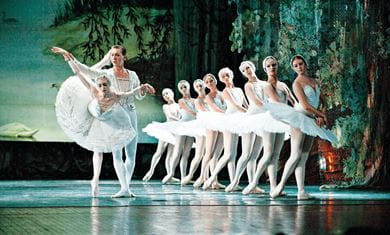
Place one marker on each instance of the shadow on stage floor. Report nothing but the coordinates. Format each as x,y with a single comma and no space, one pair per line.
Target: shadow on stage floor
65,207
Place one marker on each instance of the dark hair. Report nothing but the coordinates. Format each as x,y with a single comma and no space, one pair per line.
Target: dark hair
123,50
297,57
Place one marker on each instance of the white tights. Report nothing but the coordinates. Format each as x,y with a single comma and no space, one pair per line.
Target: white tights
161,146
230,141
199,153
273,143
300,148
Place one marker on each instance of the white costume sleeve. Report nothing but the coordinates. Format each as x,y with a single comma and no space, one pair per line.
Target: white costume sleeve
92,73
137,83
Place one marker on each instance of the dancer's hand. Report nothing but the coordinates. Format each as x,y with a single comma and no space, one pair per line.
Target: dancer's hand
147,88
67,55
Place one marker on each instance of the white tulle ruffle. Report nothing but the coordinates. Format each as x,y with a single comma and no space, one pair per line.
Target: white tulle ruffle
111,131
298,119
160,130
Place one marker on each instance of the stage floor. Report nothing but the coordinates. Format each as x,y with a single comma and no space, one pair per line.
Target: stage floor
65,207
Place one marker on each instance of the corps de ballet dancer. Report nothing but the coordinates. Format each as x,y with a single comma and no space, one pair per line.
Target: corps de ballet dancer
236,102
273,135
306,120
199,135
213,139
183,144
165,138
121,80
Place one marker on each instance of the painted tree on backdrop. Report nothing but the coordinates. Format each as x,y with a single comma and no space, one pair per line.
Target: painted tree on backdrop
347,45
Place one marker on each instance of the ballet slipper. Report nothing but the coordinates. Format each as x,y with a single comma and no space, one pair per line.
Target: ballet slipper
120,194
276,192
217,185
147,176
304,196
207,184
166,179
175,180
257,190
248,189
198,183
186,180
237,188
230,187
94,188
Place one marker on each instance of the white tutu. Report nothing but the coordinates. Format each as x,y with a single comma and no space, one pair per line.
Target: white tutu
106,132
191,128
299,120
212,120
160,130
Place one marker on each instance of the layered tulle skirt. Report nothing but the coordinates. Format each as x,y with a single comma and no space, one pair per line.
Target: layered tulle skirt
296,118
80,118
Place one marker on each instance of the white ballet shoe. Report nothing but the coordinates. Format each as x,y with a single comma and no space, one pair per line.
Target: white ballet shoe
147,177
120,194
217,185
304,196
248,189
175,180
186,180
276,192
166,179
198,183
207,184
94,188
230,187
257,190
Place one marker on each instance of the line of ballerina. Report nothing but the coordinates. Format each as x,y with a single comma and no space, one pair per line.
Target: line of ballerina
96,109
213,123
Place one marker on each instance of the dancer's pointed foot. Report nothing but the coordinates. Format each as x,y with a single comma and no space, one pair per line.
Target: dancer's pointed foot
248,189
121,193
147,177
217,185
175,180
186,180
207,184
277,191
94,188
166,179
258,190
304,196
230,187
198,182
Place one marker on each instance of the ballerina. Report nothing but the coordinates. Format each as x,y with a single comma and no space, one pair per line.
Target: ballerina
165,139
183,144
274,135
200,138
236,102
306,121
121,80
213,139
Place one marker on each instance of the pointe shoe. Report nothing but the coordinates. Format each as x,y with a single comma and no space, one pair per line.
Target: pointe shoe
94,188
276,192
217,185
186,180
166,179
120,194
257,190
175,180
304,196
248,189
147,177
230,187
207,184
198,183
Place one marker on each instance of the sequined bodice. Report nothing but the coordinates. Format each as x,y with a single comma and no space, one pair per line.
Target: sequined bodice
219,102
312,95
172,110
